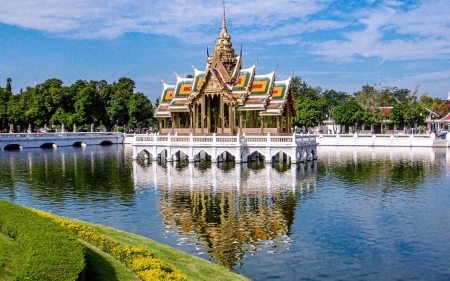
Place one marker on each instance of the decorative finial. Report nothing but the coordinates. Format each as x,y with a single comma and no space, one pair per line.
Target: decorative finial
276,68
223,4
224,22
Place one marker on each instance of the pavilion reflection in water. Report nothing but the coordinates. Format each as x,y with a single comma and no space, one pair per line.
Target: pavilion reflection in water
228,210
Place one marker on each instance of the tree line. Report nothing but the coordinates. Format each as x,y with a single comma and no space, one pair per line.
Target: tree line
83,103
313,105
111,105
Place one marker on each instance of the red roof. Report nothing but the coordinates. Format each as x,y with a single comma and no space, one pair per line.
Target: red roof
385,110
447,117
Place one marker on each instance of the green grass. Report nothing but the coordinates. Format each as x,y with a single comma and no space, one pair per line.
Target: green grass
193,267
102,267
9,257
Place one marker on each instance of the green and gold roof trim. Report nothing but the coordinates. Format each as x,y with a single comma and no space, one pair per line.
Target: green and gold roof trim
167,93
244,79
280,89
262,84
183,87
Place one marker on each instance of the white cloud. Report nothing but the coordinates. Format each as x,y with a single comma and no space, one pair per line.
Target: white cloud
391,30
187,20
394,32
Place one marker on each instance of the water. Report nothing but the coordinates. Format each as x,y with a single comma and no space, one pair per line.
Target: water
356,214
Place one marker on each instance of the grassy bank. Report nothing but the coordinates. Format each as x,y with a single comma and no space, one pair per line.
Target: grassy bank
109,254
193,267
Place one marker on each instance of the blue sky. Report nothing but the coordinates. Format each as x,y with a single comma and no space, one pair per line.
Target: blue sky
340,45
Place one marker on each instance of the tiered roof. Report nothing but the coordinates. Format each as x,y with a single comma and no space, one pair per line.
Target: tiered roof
278,99
224,74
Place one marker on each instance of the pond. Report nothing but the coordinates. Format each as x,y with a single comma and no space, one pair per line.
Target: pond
356,213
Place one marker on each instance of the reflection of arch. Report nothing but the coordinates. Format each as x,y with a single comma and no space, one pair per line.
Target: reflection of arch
12,147
242,219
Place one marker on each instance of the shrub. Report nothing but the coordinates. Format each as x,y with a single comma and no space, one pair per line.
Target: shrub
140,260
49,252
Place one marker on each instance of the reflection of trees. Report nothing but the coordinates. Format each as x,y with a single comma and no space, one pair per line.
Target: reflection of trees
231,221
53,174
392,170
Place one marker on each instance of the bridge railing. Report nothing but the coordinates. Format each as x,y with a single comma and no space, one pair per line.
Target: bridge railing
376,136
25,135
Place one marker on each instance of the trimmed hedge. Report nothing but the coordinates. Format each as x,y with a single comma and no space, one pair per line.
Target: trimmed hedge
140,260
48,251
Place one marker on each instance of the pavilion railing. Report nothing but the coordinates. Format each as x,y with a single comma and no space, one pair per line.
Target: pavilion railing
223,140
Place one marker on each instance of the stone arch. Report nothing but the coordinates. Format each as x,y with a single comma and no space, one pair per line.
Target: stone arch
13,146
202,155
314,152
226,156
48,145
79,144
106,142
256,156
145,153
162,155
281,156
180,155
303,154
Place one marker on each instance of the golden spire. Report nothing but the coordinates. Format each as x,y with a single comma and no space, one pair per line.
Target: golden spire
224,32
223,50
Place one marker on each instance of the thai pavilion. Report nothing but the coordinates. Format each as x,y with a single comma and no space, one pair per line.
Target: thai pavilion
226,98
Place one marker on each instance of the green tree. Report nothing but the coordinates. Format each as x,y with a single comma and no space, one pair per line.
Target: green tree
121,92
309,112
17,109
433,104
5,96
300,88
140,111
349,113
408,114
311,108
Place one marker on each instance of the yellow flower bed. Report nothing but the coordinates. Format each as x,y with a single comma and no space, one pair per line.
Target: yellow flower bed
140,260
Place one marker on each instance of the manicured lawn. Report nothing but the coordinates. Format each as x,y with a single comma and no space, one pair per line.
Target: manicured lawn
101,266
9,257
193,267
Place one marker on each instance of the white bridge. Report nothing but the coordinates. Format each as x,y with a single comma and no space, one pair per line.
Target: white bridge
30,140
241,148
393,140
